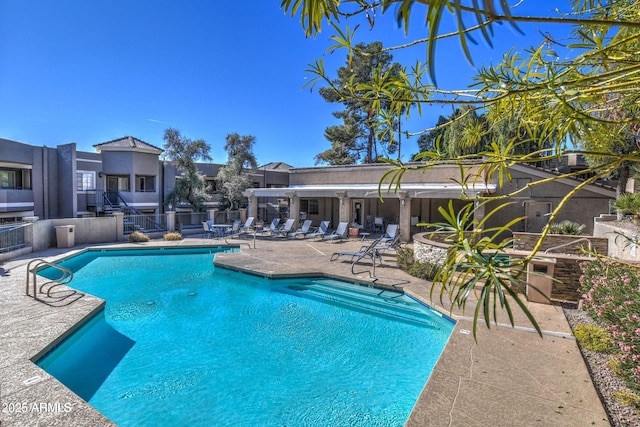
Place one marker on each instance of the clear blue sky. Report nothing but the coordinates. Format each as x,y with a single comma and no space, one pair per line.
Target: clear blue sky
89,71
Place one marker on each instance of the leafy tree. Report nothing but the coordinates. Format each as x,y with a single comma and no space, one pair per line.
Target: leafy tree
430,139
191,186
235,177
361,132
588,97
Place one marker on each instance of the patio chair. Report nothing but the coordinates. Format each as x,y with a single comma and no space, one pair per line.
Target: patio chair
206,230
321,231
302,231
378,224
338,233
233,230
285,229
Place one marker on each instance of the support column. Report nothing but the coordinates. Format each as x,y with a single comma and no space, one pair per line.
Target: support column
211,215
294,207
345,207
171,221
405,216
252,209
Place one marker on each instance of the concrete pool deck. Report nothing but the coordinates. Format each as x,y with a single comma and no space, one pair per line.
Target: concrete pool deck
509,377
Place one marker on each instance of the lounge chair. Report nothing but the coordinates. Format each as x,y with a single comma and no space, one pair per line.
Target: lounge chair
285,229
247,226
390,233
382,245
338,233
321,231
272,227
370,251
302,231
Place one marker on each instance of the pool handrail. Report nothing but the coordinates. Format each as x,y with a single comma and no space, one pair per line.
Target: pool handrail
67,276
583,239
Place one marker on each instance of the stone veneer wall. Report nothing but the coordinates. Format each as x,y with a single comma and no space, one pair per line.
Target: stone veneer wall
429,247
526,242
428,250
566,272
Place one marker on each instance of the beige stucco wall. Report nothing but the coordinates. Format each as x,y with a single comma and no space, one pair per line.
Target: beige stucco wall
367,174
86,231
620,247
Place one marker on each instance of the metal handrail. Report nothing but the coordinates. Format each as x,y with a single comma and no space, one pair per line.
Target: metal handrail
67,276
584,239
371,251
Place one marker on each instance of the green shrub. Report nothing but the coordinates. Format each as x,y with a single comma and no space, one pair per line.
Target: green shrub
628,398
419,269
173,236
137,237
627,204
404,257
566,227
593,338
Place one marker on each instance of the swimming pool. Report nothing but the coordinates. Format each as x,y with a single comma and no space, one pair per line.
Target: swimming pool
182,342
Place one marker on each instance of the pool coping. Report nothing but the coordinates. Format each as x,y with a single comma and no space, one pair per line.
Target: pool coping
455,394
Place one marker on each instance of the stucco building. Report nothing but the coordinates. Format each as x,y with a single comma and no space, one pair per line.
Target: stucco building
63,182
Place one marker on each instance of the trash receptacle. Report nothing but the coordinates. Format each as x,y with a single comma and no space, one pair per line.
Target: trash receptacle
65,236
540,276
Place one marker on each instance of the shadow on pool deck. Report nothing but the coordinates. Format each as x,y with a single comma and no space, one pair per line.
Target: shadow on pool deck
510,377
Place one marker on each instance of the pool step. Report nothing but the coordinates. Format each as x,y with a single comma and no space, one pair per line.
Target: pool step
365,299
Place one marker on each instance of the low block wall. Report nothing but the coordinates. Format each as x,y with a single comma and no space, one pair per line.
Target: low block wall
86,231
621,236
527,241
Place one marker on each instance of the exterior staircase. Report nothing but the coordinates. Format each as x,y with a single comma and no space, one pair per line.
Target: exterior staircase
134,220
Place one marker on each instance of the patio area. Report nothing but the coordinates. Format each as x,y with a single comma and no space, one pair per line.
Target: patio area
509,377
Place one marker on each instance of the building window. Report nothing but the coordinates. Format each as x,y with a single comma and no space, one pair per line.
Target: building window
310,206
145,184
86,180
15,179
118,183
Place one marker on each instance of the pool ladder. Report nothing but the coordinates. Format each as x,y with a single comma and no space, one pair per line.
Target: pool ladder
32,271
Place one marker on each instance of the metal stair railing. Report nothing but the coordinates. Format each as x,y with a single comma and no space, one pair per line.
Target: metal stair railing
134,220
14,236
38,264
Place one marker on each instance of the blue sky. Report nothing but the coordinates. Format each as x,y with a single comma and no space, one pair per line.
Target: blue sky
92,71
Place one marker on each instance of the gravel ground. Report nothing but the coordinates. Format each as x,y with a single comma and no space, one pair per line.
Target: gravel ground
606,382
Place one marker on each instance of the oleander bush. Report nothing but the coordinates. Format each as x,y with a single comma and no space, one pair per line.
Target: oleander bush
173,236
612,295
137,237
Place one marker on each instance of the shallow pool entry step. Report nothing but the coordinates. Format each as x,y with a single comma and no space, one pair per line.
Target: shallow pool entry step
370,300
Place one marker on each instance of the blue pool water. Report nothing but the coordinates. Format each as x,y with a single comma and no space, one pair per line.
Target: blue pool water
181,342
